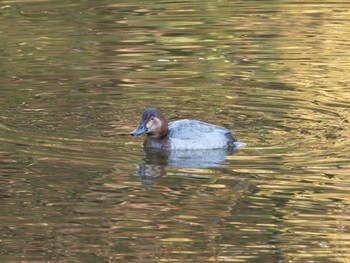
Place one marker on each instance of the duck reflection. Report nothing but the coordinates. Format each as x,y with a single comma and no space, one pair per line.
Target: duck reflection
156,161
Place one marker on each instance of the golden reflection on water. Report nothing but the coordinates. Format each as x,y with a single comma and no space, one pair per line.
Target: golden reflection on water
77,76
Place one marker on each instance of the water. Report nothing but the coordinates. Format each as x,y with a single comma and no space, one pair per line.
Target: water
75,78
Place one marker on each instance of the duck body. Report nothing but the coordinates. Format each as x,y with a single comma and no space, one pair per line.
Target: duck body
182,134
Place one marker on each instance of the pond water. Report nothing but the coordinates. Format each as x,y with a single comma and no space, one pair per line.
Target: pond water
75,79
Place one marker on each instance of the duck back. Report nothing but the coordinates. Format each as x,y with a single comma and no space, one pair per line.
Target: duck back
193,134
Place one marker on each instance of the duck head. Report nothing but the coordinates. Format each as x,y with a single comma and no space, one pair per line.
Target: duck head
153,123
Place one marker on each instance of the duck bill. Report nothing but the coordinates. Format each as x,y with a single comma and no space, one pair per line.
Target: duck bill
140,129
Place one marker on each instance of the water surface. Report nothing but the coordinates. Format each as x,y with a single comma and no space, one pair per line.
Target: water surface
75,79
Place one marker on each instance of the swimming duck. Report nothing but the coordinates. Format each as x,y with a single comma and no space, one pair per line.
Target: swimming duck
181,134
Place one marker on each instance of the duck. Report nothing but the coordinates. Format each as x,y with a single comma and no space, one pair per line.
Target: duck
181,134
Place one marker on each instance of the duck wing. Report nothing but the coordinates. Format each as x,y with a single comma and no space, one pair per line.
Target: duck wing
193,134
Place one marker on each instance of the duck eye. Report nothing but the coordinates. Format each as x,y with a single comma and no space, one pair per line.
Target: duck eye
152,119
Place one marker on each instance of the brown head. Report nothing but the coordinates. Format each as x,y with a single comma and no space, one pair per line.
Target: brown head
153,123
